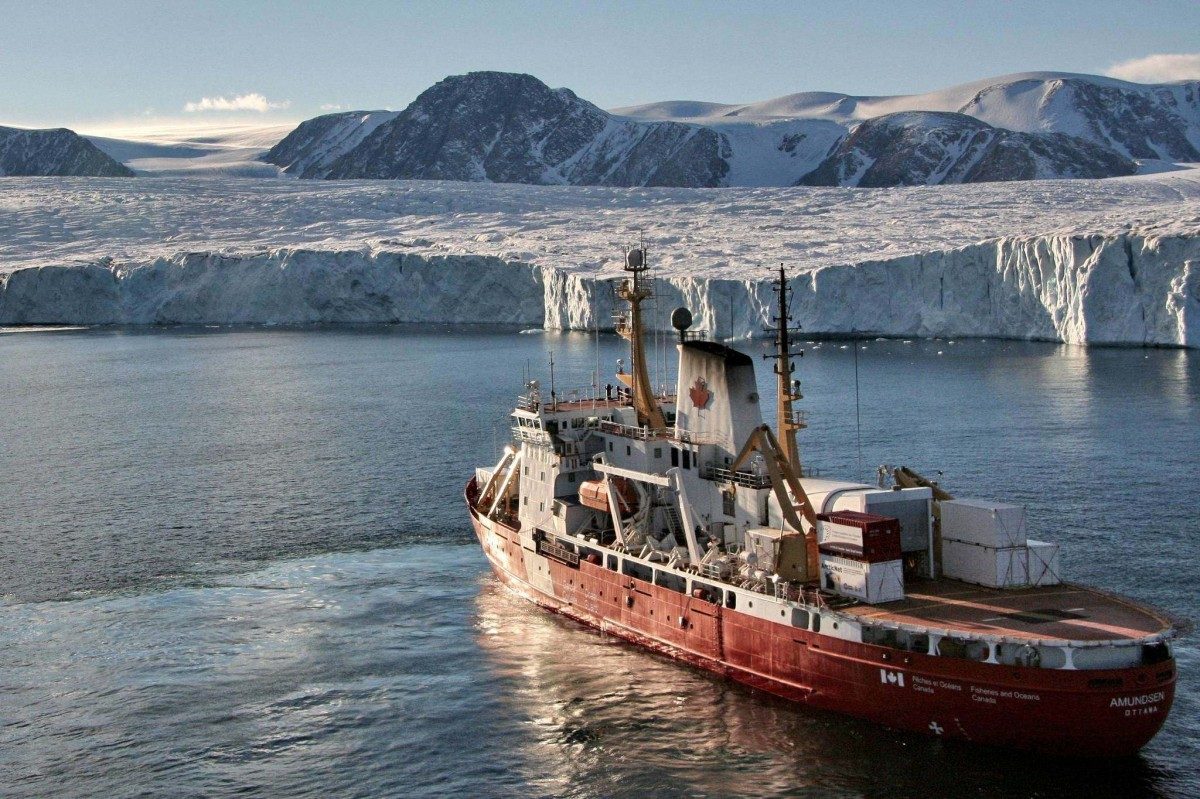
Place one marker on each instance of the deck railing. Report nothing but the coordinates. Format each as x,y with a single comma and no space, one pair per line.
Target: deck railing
720,474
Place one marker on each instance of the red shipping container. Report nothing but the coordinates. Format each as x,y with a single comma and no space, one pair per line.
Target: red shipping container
880,536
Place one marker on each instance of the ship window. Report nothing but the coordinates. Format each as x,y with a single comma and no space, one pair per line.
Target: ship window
628,451
541,506
687,459
658,453
526,500
571,477
610,446
816,623
674,457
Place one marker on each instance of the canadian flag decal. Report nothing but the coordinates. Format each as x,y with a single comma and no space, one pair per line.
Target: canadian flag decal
891,677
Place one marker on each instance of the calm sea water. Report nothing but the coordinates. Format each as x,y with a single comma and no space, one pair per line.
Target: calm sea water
237,563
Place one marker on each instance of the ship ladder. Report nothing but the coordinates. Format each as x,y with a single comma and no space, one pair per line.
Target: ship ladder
674,523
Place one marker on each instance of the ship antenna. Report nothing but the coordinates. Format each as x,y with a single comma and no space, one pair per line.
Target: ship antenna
634,292
596,357
788,420
857,406
553,394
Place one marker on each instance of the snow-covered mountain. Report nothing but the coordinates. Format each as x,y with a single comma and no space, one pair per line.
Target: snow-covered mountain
508,128
931,147
502,127
1145,121
310,149
56,152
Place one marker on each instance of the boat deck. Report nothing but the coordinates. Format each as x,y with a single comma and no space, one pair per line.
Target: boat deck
1058,612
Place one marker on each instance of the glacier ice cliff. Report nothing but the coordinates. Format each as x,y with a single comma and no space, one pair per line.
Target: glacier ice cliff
1101,289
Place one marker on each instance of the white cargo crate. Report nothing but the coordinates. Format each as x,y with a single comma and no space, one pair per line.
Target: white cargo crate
1044,565
978,521
1004,567
871,582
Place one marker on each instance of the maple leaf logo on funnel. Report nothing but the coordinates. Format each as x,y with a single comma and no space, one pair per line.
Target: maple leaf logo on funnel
700,394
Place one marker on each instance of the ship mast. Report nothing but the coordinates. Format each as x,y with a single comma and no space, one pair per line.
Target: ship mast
634,290
788,421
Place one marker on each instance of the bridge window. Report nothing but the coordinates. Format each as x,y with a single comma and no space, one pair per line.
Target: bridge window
674,457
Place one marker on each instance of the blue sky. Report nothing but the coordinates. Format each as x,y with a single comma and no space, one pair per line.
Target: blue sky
90,64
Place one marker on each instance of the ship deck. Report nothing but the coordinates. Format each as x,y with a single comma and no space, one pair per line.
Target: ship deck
1059,612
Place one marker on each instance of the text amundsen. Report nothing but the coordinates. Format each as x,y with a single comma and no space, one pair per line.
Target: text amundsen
1138,701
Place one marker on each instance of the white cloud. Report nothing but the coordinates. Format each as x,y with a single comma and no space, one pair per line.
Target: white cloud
242,102
1158,68
331,107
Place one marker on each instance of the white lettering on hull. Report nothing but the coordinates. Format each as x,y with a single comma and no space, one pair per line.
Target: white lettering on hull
991,696
1138,701
1143,705
928,685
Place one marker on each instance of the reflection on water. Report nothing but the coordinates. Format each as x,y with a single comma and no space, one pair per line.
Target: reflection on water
611,720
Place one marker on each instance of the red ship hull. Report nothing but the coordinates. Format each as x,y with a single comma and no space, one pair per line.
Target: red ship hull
1062,712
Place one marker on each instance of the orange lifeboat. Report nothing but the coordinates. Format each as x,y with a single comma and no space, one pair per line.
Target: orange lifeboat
594,494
